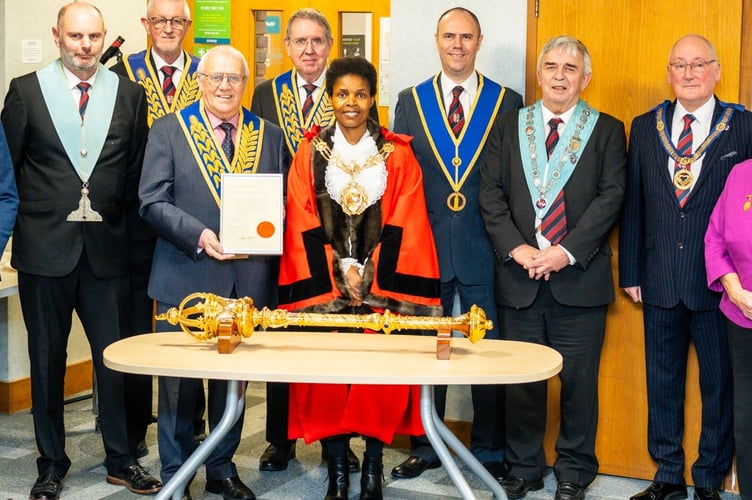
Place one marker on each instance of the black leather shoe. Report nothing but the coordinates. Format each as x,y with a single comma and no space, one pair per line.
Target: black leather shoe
47,487
707,494
659,490
413,467
497,469
516,487
339,479
353,464
569,491
370,479
231,488
136,478
275,457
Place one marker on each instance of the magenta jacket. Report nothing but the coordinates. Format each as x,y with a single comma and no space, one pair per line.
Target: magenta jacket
728,241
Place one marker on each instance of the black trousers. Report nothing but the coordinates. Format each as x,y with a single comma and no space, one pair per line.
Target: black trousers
740,347
47,305
577,334
138,388
668,333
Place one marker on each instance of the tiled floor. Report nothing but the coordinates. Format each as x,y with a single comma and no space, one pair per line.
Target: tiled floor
304,479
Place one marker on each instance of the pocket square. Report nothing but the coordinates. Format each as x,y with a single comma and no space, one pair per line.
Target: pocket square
728,155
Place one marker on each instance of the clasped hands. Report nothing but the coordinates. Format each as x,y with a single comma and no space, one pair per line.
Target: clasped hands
540,263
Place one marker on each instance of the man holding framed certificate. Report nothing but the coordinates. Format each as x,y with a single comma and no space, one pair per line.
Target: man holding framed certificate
187,153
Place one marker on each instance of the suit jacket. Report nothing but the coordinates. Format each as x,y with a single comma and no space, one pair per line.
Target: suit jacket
661,244
49,188
263,105
461,240
177,202
593,196
8,193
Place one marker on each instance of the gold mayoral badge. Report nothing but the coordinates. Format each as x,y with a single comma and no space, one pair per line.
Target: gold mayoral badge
683,179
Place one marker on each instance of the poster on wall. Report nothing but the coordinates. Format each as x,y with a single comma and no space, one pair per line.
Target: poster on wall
211,22
353,45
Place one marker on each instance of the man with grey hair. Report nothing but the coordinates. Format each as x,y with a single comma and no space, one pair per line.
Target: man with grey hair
680,154
552,186
76,134
168,75
296,101
179,194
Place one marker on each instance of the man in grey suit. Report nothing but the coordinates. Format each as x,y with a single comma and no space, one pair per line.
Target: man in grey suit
680,154
451,179
186,153
76,135
552,185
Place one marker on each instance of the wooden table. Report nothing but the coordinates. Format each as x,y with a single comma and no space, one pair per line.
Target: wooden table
337,358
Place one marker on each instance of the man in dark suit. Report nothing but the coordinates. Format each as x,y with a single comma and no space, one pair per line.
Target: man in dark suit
8,192
680,154
76,134
168,75
552,186
296,101
451,180
186,153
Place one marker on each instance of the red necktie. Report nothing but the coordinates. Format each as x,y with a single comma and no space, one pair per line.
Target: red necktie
684,148
308,104
83,101
554,223
168,86
456,114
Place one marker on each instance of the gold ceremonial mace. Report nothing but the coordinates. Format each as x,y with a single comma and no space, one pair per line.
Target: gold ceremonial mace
229,319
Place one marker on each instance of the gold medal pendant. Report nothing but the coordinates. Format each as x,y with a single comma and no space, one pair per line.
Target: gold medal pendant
456,201
683,179
353,199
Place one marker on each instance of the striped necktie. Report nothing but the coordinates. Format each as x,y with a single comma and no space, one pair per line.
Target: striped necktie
554,223
168,86
684,148
83,101
308,104
456,114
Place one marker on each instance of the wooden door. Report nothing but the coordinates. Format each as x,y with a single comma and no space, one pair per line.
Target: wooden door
629,41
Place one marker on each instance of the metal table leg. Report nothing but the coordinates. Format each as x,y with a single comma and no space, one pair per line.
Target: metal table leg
439,436
234,406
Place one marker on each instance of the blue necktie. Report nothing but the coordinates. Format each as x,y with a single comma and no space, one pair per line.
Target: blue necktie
227,145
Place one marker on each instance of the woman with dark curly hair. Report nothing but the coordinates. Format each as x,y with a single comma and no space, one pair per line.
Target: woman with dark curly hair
357,241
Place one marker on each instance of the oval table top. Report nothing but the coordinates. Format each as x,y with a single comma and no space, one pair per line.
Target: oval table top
285,356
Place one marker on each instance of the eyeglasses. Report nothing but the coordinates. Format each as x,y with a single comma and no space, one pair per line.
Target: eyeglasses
175,22
216,79
697,66
302,43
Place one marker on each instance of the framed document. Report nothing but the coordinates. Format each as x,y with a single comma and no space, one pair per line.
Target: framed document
251,208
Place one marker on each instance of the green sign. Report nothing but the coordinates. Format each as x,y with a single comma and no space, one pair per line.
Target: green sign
211,22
